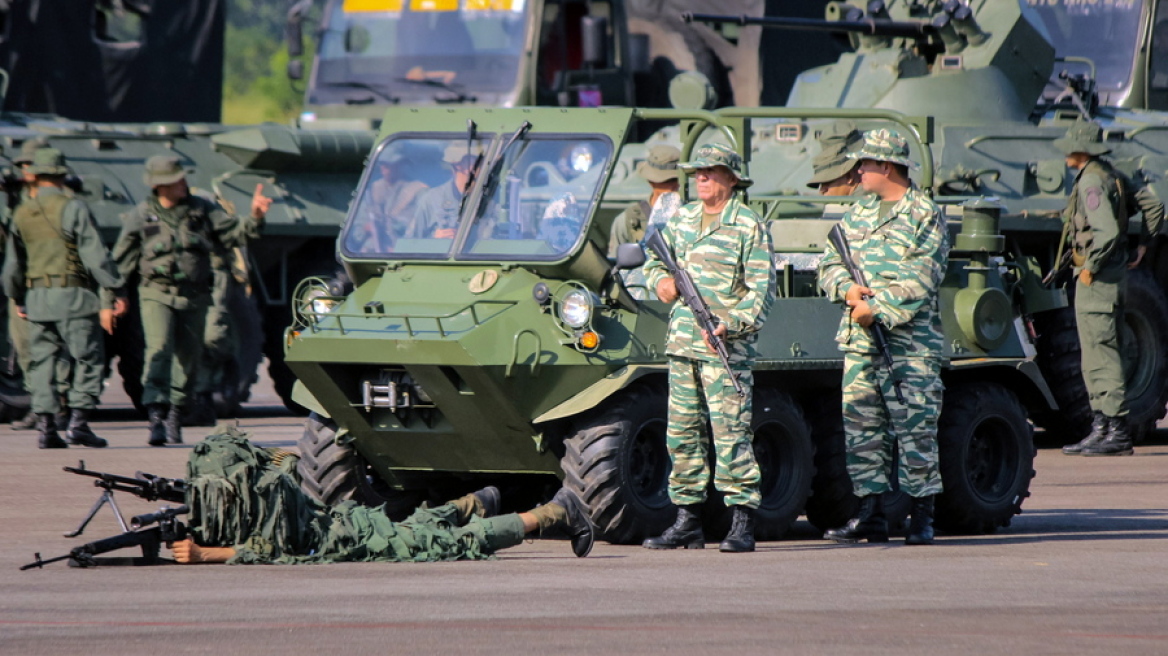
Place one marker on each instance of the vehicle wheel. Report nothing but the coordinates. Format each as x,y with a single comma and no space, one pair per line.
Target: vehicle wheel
987,458
1060,359
785,455
332,473
1145,352
616,462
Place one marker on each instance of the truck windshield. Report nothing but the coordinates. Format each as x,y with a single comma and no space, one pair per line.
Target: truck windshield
417,50
1105,31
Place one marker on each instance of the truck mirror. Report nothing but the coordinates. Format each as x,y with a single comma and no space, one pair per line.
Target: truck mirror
594,41
295,69
294,36
638,55
629,256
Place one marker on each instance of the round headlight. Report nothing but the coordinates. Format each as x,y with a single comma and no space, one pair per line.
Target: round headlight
576,309
581,158
323,305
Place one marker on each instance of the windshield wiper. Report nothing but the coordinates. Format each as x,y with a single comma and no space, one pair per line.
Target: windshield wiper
351,84
471,130
496,164
458,97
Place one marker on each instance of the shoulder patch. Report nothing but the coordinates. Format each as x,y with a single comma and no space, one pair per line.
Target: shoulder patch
1094,198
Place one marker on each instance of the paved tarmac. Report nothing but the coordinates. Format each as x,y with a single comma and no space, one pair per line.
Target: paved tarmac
1083,570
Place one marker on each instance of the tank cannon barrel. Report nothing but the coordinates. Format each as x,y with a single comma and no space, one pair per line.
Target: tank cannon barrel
868,26
281,148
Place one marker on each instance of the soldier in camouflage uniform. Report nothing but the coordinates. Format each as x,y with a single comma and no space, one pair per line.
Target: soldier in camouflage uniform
901,242
247,507
53,260
167,242
726,249
437,213
1097,211
835,173
660,170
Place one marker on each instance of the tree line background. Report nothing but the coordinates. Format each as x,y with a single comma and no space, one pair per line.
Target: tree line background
256,87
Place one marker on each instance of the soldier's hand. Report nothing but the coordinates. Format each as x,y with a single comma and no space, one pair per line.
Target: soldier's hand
121,307
260,203
1140,252
1085,277
862,312
20,312
667,290
855,292
719,330
108,319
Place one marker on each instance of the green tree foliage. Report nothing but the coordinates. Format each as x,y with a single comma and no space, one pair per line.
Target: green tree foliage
255,82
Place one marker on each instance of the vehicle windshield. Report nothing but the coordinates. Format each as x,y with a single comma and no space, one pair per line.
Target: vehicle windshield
537,198
1105,31
405,50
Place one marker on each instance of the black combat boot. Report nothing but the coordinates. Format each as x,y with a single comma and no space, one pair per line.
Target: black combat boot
489,501
920,529
870,524
27,422
173,425
1099,426
49,437
1118,442
80,433
685,532
157,412
578,525
741,536
201,412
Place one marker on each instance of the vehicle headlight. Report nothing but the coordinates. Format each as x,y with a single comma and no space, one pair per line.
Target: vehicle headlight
580,158
323,305
576,309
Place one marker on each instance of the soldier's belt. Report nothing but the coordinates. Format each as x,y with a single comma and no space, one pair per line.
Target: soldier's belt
182,289
55,281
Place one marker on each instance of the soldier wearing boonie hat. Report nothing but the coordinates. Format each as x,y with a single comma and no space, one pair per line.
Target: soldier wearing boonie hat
834,173
54,261
174,241
899,239
1096,218
725,247
660,170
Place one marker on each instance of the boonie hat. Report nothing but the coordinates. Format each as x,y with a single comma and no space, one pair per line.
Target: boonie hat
884,145
48,161
833,162
28,148
712,155
163,170
661,165
458,151
1083,137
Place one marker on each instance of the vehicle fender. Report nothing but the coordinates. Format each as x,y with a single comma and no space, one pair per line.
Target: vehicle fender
301,395
1021,375
595,394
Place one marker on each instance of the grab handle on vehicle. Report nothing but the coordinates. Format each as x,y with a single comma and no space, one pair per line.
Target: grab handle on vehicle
515,352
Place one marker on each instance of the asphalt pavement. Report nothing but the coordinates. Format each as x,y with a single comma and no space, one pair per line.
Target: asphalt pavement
1083,570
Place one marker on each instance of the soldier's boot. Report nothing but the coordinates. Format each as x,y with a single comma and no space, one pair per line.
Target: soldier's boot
920,529
173,425
156,413
201,412
63,416
741,536
49,438
27,422
1118,442
80,433
685,532
566,514
1099,426
483,503
869,524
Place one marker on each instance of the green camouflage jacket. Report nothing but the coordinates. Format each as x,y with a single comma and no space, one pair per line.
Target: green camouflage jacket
903,254
730,263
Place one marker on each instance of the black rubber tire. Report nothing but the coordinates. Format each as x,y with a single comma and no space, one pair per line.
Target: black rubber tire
785,455
1060,359
616,462
275,321
331,472
832,502
987,458
1145,352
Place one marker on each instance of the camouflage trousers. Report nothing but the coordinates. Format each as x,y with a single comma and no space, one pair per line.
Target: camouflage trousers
875,422
695,389
1099,317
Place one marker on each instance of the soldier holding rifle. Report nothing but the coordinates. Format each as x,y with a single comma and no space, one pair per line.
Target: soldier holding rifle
901,245
725,249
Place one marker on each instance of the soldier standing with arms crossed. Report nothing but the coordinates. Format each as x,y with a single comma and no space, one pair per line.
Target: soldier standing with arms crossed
1097,211
900,241
168,241
725,248
53,258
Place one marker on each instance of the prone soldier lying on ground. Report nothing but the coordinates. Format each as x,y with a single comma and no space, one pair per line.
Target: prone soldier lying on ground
246,506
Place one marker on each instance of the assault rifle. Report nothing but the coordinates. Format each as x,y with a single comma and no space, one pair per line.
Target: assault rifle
149,532
879,331
693,300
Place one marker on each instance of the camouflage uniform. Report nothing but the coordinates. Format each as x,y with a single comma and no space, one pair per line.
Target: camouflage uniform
730,263
903,251
250,499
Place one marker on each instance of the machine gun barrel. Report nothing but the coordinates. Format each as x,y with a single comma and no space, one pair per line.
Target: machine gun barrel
147,486
871,26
